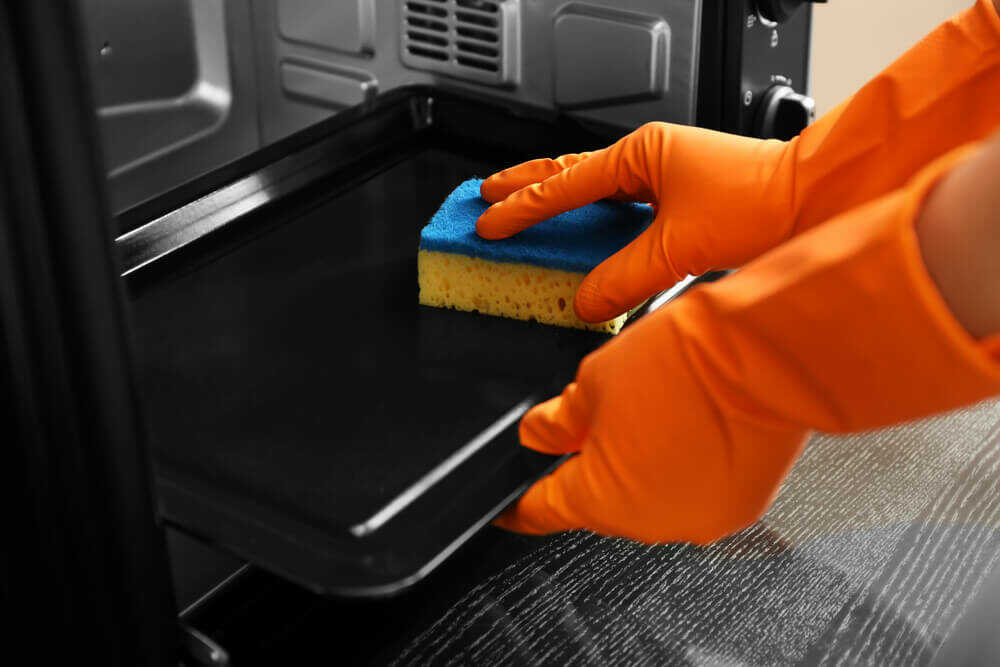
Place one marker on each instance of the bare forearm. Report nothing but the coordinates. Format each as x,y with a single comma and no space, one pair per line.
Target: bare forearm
959,232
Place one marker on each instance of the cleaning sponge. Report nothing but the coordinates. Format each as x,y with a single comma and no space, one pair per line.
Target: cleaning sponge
534,274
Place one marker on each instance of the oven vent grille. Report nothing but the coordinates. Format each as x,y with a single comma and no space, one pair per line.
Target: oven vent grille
474,40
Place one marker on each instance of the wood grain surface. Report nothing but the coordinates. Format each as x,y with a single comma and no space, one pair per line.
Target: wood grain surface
872,551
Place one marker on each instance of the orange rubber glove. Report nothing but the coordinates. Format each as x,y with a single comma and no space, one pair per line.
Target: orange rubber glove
723,199
687,422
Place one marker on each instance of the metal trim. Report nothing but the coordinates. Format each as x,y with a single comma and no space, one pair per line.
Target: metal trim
439,472
180,227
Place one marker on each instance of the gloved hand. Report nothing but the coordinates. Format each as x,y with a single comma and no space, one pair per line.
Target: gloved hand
687,422
722,200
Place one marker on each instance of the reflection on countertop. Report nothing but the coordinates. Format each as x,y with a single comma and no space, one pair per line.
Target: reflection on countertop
870,554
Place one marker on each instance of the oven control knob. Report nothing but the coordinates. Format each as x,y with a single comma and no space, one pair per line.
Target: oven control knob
783,113
779,11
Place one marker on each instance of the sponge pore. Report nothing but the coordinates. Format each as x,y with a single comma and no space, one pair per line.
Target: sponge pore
532,275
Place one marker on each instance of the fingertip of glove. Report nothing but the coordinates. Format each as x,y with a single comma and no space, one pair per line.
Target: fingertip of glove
530,441
488,228
590,304
544,429
533,514
511,521
491,189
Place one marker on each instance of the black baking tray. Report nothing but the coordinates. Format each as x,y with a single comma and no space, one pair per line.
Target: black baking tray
306,413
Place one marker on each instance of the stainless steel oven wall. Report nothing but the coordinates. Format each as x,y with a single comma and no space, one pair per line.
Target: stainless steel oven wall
175,88
624,62
184,86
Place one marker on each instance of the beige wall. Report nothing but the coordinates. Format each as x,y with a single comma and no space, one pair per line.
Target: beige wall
855,39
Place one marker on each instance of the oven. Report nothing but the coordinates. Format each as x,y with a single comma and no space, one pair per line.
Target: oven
229,414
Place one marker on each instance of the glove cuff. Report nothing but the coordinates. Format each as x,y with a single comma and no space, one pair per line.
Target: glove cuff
940,94
842,328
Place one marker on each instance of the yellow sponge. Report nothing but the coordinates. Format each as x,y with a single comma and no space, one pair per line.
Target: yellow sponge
533,275
518,291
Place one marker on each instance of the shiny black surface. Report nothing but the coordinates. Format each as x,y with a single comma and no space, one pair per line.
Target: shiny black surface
742,56
83,567
781,10
295,387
